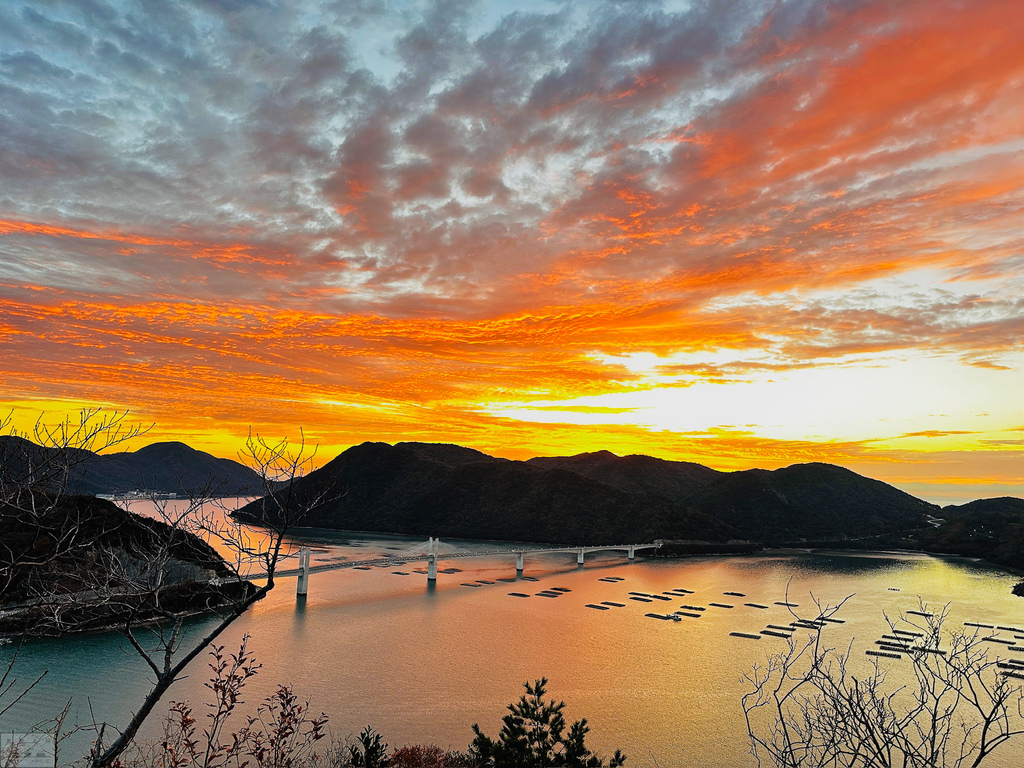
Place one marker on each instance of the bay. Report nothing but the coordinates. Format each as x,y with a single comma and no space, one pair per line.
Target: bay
421,664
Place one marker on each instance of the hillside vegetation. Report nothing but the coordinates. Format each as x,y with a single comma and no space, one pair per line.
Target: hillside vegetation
444,490
171,467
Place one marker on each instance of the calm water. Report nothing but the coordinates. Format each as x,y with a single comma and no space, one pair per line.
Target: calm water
422,665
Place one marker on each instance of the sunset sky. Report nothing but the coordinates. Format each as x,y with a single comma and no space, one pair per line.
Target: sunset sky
739,233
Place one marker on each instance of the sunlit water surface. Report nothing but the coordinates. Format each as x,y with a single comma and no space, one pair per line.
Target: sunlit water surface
422,664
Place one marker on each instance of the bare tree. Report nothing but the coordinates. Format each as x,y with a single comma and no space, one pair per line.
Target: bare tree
945,704
252,553
39,469
141,574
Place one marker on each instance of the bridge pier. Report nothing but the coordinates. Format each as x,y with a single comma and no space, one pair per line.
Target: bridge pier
519,563
631,554
302,583
579,556
432,560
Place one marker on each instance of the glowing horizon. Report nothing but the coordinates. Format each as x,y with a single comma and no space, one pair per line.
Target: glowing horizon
739,234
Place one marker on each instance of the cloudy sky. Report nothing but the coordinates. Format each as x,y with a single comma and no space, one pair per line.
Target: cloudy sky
740,233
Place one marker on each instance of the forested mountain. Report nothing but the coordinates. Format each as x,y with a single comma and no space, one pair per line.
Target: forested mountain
171,467
988,528
444,490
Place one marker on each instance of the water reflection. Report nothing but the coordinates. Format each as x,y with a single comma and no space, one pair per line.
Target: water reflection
423,662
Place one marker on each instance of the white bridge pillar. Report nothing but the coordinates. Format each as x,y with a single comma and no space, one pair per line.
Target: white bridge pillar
579,556
519,562
432,559
302,584
631,554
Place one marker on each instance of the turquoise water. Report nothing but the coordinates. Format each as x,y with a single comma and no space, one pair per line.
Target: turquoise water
422,664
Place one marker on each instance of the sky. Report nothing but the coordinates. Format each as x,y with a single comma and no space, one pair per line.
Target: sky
747,234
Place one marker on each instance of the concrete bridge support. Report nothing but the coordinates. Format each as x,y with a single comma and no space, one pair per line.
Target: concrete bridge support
302,583
631,554
519,563
432,559
579,556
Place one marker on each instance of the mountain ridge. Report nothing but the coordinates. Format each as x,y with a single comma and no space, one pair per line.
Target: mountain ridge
443,489
162,467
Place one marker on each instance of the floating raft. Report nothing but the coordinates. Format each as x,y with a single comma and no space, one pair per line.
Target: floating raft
922,613
518,594
684,591
788,605
1011,629
688,614
613,605
896,648
560,589
993,639
400,573
832,621
363,568
734,594
773,633
598,607
609,581
976,624
642,599
884,654
507,581
450,570
470,584
781,627
1014,675
483,581
907,633
660,597
1011,665
894,589
720,605
756,605
1018,648
529,578
805,624
692,608
658,616
747,635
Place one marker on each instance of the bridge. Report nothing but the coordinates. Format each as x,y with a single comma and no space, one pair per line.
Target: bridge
433,550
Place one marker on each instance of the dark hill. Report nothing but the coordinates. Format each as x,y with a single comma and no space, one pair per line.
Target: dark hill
673,480
443,490
164,467
429,489
989,528
810,501
82,563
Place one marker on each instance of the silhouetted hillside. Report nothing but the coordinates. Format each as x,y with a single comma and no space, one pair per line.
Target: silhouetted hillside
809,501
443,490
164,467
989,528
673,480
61,579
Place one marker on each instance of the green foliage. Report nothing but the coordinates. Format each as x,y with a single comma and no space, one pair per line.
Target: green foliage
534,736
370,751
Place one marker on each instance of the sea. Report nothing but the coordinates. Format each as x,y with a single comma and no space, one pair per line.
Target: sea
422,662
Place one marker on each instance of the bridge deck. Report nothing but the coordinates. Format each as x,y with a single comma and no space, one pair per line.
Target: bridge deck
403,559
